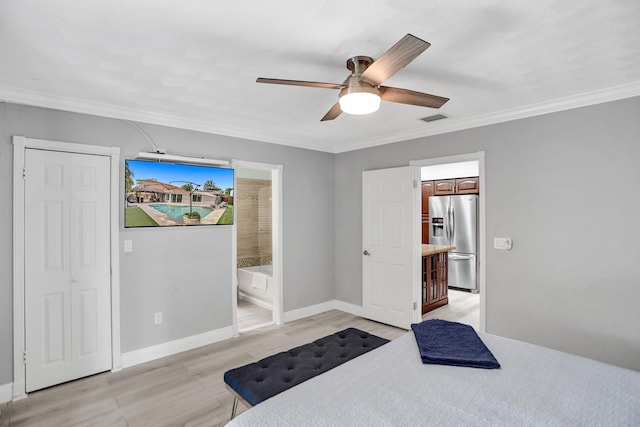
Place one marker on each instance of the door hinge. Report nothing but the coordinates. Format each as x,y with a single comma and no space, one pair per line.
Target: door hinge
24,173
415,305
415,183
24,357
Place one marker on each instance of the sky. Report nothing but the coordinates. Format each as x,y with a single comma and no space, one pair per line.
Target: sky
167,172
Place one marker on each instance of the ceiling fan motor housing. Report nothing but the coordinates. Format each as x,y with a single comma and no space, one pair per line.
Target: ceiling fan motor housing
357,64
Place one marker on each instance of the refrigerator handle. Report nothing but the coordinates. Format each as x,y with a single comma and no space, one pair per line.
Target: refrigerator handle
447,225
452,224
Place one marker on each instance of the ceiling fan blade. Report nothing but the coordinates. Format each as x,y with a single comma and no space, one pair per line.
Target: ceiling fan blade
300,83
406,96
332,113
397,57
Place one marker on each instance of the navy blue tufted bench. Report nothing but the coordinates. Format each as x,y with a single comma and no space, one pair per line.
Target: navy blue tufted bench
256,382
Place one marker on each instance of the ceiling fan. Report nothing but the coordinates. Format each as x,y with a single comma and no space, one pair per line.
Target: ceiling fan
362,91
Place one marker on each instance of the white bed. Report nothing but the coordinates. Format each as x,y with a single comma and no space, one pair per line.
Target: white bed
390,386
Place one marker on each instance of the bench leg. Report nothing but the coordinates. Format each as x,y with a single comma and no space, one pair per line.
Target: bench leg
234,408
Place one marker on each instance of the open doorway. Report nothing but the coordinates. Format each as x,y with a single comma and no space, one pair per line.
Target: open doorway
258,261
442,181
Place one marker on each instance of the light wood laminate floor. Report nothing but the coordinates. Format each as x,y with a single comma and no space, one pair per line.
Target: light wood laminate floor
251,316
463,307
187,389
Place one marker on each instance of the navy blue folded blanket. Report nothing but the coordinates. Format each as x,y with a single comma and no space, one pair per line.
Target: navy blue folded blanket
451,343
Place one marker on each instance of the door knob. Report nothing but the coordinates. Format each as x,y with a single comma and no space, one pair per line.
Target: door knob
366,252
74,280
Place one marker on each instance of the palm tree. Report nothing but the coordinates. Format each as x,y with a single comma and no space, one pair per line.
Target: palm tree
128,178
209,185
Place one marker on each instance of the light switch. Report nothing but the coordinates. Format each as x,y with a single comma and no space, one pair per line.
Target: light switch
504,243
128,245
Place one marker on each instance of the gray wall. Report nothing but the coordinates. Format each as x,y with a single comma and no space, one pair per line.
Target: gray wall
563,187
193,289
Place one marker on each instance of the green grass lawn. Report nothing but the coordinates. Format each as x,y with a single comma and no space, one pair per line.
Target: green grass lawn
227,216
136,217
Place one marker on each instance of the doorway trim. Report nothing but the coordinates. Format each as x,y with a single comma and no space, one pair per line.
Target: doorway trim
276,242
479,157
20,145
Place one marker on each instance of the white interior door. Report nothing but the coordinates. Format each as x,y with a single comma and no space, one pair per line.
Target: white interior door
67,266
389,260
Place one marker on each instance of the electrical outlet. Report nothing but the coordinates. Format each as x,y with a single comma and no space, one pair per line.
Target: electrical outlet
158,318
128,245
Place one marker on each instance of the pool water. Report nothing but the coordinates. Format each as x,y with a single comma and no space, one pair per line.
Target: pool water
176,212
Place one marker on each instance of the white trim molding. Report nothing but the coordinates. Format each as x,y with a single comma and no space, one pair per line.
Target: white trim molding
270,134
453,124
478,156
6,392
20,145
277,252
148,354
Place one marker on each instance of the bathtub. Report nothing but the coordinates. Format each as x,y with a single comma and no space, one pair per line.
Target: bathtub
255,284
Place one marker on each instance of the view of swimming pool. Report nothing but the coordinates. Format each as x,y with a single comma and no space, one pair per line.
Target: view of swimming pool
176,212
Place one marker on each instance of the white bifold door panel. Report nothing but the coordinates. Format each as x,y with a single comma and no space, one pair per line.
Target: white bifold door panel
388,265
67,267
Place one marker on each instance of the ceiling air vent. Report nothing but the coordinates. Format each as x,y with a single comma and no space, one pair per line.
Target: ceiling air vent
433,118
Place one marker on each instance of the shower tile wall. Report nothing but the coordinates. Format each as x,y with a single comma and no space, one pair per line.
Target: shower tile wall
252,202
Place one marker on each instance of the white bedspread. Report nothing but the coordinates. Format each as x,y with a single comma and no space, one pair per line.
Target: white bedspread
390,386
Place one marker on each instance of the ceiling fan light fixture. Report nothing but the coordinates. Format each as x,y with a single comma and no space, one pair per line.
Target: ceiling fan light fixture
359,97
359,103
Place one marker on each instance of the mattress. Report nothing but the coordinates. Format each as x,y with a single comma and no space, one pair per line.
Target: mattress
390,386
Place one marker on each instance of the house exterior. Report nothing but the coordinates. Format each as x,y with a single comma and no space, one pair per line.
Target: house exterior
151,190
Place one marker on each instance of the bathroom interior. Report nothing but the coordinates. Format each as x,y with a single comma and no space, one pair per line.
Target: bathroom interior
253,205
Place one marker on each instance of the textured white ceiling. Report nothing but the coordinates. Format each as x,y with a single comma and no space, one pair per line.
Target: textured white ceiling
193,64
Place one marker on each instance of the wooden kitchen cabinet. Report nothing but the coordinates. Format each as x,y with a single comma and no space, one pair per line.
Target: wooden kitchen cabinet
434,281
443,187
427,191
468,185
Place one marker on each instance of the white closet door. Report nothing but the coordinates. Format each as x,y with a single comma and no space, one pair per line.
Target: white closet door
67,266
387,241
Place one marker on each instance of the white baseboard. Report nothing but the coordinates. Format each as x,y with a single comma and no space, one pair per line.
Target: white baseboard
312,310
6,392
356,310
148,354
256,301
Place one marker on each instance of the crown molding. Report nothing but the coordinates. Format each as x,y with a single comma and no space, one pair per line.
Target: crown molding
451,124
74,105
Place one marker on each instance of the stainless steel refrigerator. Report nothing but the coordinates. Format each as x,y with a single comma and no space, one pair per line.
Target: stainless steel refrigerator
453,221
